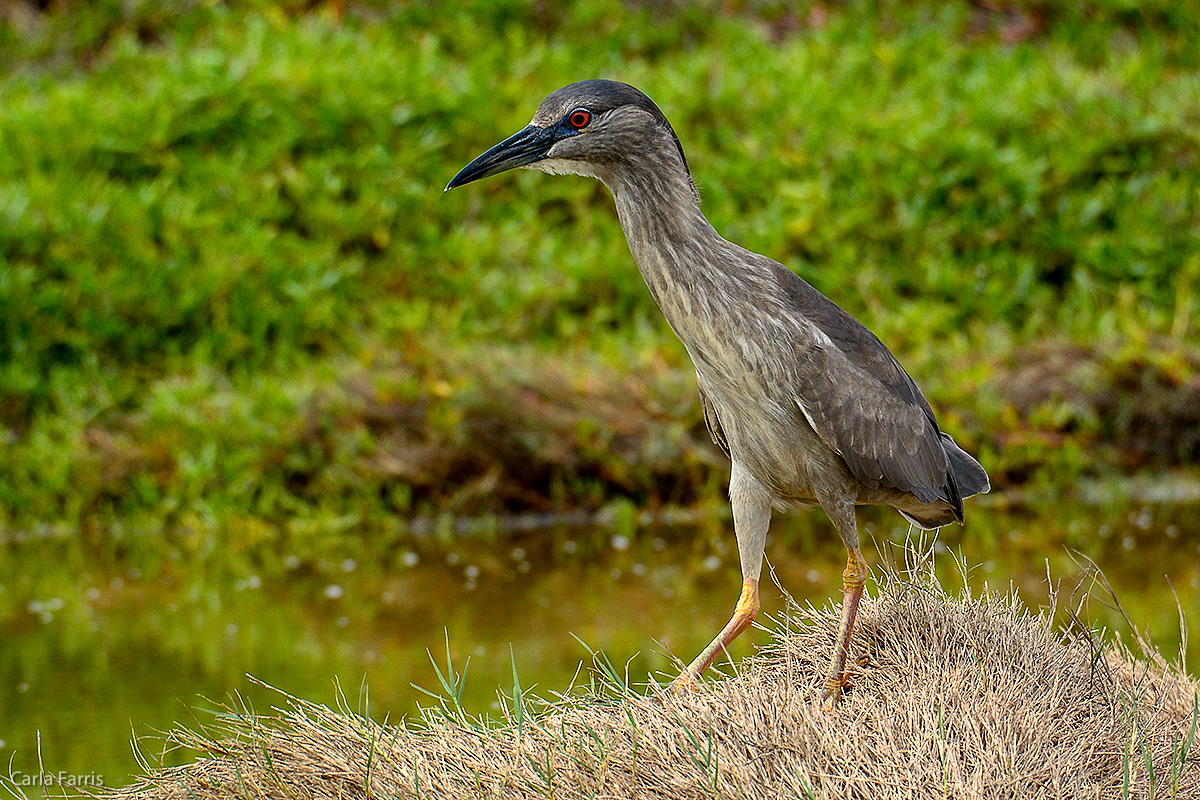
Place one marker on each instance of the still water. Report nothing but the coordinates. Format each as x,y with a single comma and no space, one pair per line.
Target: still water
91,660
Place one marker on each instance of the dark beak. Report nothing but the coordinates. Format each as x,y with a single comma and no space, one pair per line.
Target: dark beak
523,147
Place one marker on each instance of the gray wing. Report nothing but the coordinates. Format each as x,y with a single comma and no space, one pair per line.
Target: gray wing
863,405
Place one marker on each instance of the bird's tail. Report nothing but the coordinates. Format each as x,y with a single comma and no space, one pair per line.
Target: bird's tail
965,477
970,476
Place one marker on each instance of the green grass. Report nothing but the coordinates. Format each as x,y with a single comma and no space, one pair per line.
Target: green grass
237,309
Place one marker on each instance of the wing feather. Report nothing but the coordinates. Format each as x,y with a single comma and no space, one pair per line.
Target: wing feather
862,404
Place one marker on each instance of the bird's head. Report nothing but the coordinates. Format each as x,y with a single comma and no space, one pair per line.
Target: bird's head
588,128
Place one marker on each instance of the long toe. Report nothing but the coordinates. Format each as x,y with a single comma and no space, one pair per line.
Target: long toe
835,687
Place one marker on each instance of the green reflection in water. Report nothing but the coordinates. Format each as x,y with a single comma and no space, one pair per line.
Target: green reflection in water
91,659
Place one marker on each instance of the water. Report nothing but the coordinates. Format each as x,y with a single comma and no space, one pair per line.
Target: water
90,660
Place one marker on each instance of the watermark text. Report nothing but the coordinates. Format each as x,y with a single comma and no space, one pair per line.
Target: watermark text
60,778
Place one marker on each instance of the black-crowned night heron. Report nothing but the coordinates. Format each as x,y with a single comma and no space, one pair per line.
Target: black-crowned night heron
810,406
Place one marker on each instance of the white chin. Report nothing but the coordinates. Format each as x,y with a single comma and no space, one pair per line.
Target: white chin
561,166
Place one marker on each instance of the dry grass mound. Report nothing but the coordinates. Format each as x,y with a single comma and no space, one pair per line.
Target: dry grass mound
969,697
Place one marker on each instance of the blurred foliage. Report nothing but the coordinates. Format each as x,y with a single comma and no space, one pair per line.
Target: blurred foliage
237,306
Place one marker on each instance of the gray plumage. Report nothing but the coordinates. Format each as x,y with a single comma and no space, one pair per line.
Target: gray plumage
810,406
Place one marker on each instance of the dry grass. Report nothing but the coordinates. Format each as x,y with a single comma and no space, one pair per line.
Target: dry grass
966,697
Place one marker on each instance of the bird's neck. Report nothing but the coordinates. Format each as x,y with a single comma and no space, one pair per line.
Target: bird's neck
686,264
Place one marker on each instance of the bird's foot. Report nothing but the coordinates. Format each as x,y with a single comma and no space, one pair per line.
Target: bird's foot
687,683
832,694
838,684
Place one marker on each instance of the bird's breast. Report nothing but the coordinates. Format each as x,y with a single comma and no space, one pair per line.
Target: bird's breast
751,347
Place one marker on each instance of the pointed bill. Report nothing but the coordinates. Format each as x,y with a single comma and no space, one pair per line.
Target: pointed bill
526,146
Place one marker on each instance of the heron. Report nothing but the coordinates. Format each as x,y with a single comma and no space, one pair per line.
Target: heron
810,406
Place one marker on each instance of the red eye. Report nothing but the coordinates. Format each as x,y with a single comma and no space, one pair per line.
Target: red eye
579,118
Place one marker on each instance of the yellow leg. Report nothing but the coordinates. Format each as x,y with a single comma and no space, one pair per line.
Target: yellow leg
743,615
854,581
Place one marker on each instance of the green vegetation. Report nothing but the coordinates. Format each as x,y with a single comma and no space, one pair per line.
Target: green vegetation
238,309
